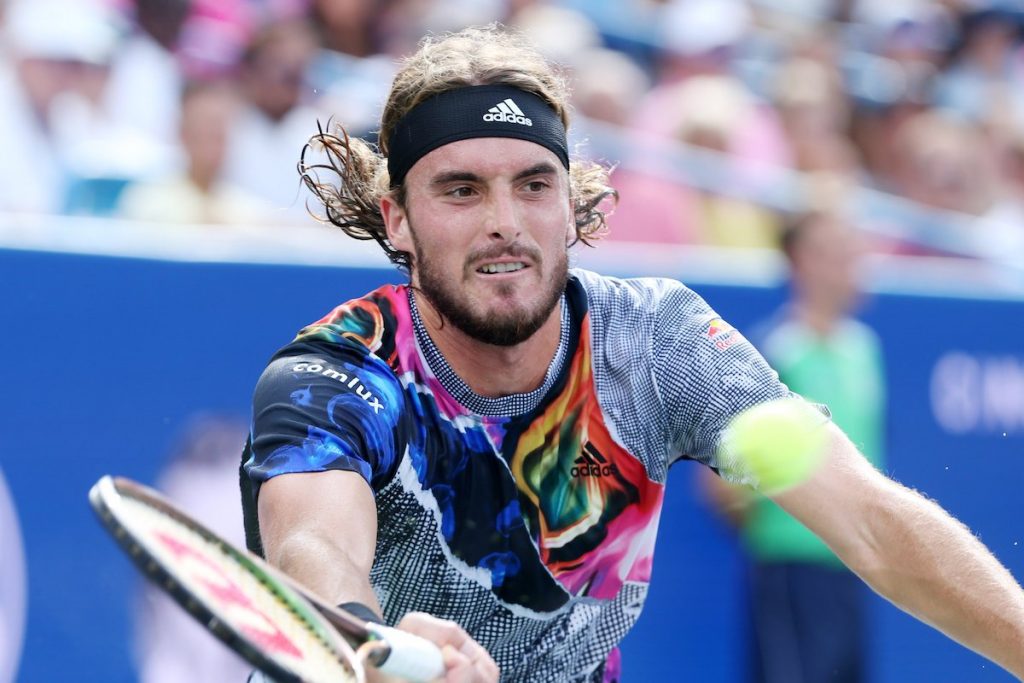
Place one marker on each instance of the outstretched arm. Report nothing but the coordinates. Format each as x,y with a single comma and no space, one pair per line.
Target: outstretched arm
913,553
321,529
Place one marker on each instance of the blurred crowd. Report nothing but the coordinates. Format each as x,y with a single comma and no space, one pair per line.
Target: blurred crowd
721,116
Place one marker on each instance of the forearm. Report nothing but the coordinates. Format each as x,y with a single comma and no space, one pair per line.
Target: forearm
927,563
913,553
326,569
321,529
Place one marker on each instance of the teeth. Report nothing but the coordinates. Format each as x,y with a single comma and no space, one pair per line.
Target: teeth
502,267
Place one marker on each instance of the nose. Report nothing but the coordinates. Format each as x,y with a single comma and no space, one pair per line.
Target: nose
503,220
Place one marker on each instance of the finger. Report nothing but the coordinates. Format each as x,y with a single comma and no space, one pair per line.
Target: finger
478,657
481,659
440,631
478,660
486,671
458,667
467,660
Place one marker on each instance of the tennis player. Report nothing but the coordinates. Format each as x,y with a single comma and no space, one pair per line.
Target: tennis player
489,444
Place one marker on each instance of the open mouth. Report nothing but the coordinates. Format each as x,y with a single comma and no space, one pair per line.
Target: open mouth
496,268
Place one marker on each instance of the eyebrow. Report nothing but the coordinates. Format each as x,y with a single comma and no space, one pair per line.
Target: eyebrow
454,177
537,169
446,177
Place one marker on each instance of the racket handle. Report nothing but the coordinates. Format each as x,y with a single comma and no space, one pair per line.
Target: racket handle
412,658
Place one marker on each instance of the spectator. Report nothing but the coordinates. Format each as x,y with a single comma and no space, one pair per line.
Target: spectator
351,70
52,94
146,62
173,42
727,215
700,37
1003,223
944,163
807,611
984,73
653,207
815,114
348,27
198,193
276,117
874,126
562,35
404,22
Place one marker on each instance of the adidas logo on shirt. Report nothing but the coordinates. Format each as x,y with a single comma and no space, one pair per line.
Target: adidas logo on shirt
592,464
507,112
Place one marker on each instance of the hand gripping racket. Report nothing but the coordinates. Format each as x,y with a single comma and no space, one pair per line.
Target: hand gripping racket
269,619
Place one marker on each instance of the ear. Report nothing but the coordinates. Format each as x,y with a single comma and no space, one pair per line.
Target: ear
396,222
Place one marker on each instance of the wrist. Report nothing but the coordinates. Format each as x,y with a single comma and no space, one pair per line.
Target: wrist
362,611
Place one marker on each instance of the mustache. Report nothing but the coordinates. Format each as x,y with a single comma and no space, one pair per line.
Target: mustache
514,250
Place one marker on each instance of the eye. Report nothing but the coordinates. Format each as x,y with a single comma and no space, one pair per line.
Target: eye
536,186
461,192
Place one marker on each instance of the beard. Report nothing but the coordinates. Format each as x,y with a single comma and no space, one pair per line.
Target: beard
498,328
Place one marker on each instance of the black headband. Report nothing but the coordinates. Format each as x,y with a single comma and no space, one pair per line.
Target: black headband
479,111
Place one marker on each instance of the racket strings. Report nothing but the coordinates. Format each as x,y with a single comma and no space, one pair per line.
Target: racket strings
241,596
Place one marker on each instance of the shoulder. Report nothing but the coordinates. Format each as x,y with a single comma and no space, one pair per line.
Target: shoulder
301,373
651,319
370,324
352,348
860,333
649,299
779,334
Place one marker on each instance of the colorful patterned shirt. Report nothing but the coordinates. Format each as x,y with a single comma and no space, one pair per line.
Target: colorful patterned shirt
531,519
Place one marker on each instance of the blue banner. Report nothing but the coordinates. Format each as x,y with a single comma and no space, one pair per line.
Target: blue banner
106,361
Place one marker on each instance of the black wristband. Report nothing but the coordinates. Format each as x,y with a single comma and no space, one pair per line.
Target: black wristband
361,611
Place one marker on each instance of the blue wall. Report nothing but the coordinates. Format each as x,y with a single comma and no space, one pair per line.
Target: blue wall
105,359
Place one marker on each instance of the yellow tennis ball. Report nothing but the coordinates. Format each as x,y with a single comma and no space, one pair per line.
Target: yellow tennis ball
779,443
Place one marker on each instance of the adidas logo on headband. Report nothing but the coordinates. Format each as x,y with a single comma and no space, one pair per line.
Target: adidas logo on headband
508,112
463,114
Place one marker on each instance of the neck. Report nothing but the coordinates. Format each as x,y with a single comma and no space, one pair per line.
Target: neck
202,179
818,316
494,371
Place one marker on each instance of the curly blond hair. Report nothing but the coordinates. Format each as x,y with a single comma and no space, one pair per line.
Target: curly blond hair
351,180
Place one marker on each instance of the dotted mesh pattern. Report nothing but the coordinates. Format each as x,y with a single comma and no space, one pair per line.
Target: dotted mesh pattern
514,404
669,376
413,571
668,381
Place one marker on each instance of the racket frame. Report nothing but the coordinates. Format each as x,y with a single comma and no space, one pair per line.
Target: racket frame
105,499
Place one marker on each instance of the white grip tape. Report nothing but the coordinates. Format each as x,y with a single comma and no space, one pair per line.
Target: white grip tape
412,658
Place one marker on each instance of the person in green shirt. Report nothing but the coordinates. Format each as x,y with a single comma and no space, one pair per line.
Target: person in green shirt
807,609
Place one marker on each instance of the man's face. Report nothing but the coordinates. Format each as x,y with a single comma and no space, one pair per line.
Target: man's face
488,221
827,262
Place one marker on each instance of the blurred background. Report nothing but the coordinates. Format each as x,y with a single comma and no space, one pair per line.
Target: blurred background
156,249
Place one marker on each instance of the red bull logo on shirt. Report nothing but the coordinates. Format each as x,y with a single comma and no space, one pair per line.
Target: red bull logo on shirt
722,334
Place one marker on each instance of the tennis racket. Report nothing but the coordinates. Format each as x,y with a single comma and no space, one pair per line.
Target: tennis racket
269,619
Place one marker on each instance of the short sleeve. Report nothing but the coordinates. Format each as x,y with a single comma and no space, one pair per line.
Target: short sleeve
706,374
314,412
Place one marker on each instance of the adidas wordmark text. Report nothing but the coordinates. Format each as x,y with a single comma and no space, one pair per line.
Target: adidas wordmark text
508,112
